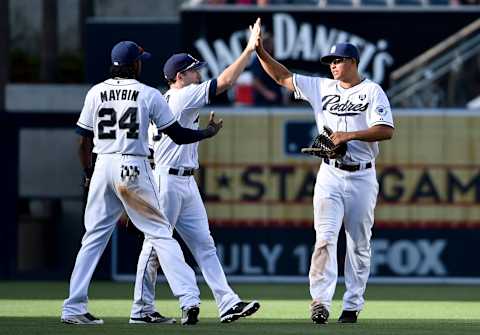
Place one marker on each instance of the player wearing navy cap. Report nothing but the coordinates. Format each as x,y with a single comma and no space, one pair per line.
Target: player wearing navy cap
341,51
114,125
179,195
358,112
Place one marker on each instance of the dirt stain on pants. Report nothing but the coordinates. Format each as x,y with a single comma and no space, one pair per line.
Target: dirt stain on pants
140,205
318,262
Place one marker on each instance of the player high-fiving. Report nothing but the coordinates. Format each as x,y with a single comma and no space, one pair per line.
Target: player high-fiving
114,122
179,195
358,113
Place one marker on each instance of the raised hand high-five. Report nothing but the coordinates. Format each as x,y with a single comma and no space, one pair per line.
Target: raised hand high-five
227,78
255,36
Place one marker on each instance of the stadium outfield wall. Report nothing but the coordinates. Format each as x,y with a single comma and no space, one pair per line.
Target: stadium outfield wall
258,192
257,189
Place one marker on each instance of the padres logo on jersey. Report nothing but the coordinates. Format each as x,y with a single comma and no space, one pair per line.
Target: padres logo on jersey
332,103
357,108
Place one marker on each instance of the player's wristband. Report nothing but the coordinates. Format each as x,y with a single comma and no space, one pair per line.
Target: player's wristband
209,131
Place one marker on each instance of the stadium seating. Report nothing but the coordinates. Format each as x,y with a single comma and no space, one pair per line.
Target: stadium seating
375,2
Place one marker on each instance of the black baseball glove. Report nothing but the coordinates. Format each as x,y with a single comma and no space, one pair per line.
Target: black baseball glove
323,146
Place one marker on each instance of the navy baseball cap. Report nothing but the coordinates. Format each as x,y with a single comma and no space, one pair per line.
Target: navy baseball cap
126,52
341,50
179,63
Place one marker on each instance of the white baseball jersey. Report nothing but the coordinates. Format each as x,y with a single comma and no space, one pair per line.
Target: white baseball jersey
356,108
185,104
118,112
342,196
182,203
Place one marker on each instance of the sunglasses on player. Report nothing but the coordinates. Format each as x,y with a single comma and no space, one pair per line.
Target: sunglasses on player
340,60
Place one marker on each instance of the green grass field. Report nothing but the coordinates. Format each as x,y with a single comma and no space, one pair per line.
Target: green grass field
34,308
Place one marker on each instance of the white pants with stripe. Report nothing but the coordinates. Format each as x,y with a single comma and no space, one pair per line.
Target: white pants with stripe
136,193
348,197
181,201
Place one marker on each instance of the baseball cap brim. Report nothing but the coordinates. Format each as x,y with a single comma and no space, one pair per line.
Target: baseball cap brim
330,57
195,66
145,56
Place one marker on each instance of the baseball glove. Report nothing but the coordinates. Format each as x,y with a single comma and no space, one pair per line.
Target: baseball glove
323,146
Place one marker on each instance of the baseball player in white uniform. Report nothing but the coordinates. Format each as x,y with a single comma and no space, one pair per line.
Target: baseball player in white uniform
179,195
346,189
114,122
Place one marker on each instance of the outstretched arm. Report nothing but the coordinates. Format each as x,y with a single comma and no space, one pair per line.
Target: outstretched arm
228,77
274,69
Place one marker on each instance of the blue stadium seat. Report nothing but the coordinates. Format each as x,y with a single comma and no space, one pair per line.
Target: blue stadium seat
302,2
408,2
339,2
373,2
440,2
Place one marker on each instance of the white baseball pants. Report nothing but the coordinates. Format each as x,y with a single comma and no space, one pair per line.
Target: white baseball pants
137,193
181,201
348,197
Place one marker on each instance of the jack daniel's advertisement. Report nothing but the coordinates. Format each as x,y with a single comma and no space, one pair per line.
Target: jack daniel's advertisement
386,40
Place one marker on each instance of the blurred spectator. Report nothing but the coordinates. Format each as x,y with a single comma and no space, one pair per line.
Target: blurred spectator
470,2
466,2
260,3
208,2
266,91
243,90
464,82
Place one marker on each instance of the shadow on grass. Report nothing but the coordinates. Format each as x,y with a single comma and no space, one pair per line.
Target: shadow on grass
109,290
20,326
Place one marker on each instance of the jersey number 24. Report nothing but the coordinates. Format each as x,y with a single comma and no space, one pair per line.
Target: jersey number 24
127,121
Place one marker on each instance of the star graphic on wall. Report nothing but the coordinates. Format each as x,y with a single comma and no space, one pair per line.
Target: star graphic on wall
223,181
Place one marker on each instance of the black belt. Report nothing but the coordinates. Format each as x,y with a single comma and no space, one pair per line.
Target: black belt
346,167
178,172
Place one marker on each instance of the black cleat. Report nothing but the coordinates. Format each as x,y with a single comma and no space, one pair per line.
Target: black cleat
240,310
320,313
348,317
83,319
155,318
190,315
